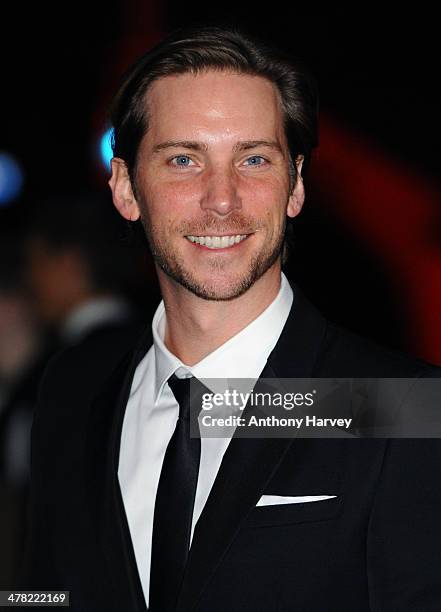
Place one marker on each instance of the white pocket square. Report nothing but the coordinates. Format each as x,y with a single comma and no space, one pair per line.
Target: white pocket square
274,500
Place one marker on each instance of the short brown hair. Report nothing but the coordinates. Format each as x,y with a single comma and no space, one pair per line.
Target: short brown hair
199,49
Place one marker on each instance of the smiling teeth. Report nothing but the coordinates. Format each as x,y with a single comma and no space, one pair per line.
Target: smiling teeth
217,242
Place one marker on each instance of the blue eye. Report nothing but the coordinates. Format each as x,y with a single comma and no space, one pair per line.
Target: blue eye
182,160
256,160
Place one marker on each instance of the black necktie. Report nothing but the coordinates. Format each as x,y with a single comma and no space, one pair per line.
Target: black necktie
174,506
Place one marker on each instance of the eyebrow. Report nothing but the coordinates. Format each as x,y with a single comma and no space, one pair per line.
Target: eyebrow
182,144
194,145
252,144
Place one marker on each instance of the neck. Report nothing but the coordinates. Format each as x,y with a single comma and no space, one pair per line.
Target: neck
196,327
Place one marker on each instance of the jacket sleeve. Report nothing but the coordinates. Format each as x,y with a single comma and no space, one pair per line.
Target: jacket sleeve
404,533
37,570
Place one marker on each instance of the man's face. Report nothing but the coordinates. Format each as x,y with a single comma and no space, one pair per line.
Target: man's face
212,181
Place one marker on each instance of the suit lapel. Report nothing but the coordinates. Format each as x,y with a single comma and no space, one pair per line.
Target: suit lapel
299,348
249,464
247,467
106,504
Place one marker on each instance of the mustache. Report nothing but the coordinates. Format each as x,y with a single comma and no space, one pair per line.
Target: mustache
236,223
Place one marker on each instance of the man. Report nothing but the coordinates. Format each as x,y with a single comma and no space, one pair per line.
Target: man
211,134
77,294
76,291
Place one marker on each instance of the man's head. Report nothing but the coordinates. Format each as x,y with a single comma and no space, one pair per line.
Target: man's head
75,253
210,133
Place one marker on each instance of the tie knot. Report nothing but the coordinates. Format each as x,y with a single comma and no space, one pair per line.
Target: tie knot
181,390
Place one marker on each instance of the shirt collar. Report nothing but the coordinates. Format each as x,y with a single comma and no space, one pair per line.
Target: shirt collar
242,356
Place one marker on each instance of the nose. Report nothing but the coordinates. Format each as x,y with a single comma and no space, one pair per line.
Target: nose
220,193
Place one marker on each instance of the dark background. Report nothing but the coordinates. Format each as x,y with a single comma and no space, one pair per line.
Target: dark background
378,77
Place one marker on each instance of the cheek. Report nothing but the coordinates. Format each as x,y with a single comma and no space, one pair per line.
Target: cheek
267,190
270,202
275,220
165,203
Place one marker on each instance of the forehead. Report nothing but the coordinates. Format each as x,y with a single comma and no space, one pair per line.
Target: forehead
214,103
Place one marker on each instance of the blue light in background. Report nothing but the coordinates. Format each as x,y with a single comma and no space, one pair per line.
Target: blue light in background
106,148
11,178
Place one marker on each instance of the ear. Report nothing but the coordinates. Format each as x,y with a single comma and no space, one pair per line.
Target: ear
122,192
297,196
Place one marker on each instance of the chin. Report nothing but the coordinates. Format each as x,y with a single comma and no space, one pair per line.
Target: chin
218,287
214,288
220,282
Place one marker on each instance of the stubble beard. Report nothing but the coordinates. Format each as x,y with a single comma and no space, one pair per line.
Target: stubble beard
175,268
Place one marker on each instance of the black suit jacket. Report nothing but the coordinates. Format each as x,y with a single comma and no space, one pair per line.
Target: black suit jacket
376,546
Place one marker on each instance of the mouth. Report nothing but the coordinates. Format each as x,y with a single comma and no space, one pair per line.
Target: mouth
218,242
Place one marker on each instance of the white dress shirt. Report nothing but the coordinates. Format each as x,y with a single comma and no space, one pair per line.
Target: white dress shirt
152,413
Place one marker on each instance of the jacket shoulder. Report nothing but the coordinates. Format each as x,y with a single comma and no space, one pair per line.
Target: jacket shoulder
355,356
75,374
